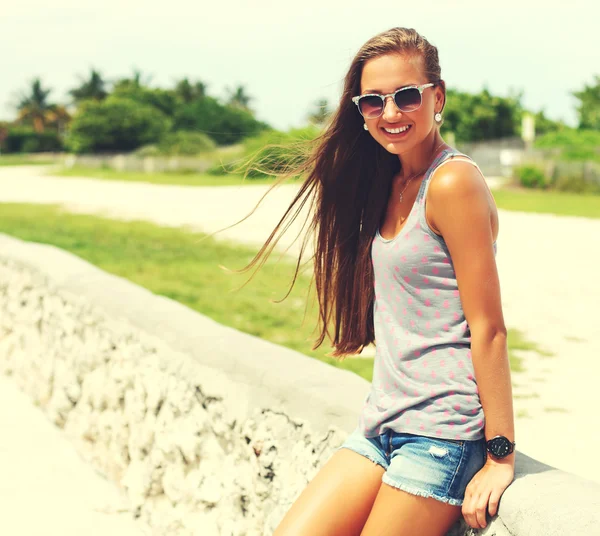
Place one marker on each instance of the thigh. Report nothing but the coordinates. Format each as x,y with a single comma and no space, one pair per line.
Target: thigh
398,513
423,488
337,501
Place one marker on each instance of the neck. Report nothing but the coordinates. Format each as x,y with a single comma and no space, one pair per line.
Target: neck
419,158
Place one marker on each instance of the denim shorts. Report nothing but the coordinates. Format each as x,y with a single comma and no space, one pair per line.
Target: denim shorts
424,466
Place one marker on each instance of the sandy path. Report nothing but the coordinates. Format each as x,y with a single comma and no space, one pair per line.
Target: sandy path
46,488
547,268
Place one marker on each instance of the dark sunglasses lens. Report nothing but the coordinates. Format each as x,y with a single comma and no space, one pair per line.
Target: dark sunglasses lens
408,99
371,106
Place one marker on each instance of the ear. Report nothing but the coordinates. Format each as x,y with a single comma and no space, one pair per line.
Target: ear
440,96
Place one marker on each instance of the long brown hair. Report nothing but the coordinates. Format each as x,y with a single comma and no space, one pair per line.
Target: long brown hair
348,177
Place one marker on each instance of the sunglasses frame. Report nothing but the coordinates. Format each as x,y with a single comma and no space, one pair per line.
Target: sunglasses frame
421,88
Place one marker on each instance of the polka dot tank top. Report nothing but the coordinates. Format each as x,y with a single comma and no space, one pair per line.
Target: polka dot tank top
423,379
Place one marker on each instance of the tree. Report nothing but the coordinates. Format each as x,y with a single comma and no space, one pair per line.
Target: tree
189,92
223,123
588,108
320,114
164,100
481,116
134,82
90,89
115,124
58,118
544,125
3,133
34,107
239,99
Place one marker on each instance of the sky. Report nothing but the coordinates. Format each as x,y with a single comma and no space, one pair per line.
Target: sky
289,54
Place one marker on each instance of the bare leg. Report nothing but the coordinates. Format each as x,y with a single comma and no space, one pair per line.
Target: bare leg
397,513
337,501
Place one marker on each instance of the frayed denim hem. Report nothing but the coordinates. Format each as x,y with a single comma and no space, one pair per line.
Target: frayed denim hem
420,493
368,456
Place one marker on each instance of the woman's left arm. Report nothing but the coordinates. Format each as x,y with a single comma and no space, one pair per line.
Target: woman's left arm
461,211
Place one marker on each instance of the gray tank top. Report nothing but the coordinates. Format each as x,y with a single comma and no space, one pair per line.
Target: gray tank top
423,379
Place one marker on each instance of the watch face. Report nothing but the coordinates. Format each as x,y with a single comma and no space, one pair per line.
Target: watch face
500,446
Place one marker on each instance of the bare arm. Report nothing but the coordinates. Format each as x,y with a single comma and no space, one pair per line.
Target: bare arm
460,209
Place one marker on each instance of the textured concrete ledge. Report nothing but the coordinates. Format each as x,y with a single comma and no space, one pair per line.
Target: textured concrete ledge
209,430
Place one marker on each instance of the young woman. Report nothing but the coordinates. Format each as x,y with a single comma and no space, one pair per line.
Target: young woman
406,231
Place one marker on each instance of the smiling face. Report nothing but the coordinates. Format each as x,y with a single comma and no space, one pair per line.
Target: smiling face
385,74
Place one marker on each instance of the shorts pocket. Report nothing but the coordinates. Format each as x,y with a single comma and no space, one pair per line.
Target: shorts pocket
474,459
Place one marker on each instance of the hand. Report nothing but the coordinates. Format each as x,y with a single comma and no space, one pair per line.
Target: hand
486,487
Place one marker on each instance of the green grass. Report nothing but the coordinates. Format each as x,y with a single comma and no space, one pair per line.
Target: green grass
174,263
517,341
178,178
23,160
556,410
182,265
548,202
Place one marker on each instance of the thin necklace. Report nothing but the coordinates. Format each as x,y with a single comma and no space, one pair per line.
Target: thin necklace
401,197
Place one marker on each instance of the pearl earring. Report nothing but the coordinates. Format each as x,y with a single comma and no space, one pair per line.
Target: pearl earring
365,127
438,117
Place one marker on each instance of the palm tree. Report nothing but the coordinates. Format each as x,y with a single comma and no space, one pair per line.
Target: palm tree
35,108
135,82
3,133
58,118
90,89
320,114
189,92
239,98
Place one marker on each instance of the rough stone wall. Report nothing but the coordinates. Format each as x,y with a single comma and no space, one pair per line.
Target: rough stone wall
174,433
210,431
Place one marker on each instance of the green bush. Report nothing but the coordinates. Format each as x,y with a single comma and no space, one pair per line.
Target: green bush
115,125
185,143
531,176
576,184
27,140
148,150
163,100
276,152
219,168
224,124
574,145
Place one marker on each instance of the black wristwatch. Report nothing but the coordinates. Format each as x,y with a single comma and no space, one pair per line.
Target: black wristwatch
500,446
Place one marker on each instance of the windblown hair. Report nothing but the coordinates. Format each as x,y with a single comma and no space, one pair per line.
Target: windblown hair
348,177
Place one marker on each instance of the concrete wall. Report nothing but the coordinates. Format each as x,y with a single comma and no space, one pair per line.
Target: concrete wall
496,157
132,162
209,430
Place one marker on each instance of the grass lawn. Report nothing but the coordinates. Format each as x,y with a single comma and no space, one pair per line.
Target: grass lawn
174,263
23,160
507,198
547,202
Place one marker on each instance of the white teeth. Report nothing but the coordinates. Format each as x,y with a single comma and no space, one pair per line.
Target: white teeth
397,130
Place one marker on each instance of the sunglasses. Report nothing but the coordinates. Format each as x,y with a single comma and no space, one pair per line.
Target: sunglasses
407,99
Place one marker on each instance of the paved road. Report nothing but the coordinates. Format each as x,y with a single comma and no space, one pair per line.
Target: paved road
547,267
45,487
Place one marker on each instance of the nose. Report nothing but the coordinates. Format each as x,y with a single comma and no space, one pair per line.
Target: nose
390,110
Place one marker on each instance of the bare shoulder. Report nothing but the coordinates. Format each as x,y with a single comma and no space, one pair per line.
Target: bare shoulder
457,177
459,188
